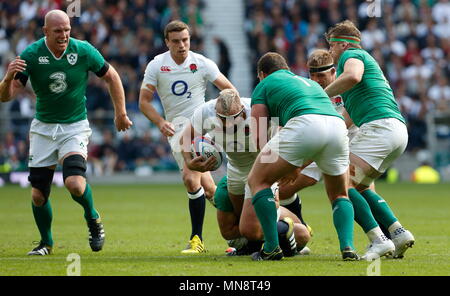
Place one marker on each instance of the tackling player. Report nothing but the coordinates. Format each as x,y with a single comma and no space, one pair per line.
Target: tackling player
311,130
227,120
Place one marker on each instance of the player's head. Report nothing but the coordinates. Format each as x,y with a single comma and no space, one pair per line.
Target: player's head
57,30
178,39
321,67
269,63
229,108
342,36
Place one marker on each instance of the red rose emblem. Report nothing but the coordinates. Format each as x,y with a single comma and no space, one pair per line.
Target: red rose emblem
193,68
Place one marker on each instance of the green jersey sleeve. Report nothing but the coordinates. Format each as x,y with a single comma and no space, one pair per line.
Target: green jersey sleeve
95,59
258,95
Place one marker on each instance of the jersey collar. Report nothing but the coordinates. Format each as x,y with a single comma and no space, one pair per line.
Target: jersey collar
51,52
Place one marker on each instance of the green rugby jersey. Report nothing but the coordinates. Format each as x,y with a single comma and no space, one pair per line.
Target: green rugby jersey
60,83
372,98
287,95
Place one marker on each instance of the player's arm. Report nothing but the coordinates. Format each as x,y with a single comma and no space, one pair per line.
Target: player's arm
117,94
9,85
347,119
352,75
222,82
146,107
260,119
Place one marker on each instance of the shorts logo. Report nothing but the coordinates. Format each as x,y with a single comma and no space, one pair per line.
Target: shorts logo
165,69
43,60
72,58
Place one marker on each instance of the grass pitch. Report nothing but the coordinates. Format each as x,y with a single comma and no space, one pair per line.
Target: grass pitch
148,225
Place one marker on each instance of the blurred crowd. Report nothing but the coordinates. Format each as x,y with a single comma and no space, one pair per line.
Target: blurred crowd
409,38
128,34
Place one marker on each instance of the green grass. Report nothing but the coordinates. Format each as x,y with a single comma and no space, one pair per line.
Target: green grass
148,225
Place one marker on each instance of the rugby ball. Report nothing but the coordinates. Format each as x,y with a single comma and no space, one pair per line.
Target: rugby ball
203,146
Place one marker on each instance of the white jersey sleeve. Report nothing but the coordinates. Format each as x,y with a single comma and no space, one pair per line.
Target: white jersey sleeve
150,74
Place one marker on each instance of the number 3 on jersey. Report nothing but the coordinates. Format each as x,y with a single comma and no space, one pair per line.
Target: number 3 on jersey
180,87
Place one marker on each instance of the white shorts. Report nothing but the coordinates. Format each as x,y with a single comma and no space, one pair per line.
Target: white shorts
312,171
380,142
50,142
237,178
314,137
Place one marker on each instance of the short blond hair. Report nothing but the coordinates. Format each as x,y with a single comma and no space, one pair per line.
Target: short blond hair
228,102
320,58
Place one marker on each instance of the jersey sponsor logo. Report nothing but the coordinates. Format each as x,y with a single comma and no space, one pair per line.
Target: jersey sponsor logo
43,60
193,68
59,83
165,69
72,58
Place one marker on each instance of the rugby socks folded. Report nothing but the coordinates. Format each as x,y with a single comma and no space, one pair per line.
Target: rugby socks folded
380,209
197,207
343,216
265,208
87,202
43,216
363,214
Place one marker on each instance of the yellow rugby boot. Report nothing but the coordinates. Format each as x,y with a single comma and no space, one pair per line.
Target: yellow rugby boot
194,246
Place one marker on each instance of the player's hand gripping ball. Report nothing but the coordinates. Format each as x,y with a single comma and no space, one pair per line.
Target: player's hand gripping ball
203,146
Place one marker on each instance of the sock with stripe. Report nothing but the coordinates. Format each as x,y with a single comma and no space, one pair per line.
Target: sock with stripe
265,208
380,209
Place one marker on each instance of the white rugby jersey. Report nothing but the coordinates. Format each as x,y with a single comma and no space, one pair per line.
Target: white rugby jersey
180,87
238,147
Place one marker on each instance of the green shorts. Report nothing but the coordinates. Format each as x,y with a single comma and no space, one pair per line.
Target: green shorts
221,198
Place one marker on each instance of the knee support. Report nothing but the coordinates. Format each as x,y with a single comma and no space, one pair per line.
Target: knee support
360,177
41,178
74,165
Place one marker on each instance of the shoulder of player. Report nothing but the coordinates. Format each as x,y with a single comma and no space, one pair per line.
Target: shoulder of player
199,59
33,49
356,53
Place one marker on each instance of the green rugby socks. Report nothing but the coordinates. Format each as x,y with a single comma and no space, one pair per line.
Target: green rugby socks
87,202
343,216
363,214
43,216
264,204
380,209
